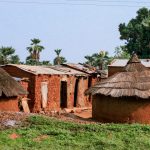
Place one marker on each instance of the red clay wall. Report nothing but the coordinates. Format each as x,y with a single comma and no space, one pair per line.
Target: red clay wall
25,84
112,70
82,100
30,86
54,83
120,110
53,92
34,89
9,104
71,80
94,80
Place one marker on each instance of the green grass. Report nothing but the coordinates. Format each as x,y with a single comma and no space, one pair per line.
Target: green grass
70,136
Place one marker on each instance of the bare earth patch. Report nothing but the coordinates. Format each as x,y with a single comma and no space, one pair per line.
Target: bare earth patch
12,119
78,116
14,136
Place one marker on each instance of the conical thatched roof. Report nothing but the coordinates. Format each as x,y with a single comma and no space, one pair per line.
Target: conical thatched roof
134,64
8,86
135,81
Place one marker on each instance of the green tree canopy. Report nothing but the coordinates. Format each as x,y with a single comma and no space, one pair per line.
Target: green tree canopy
7,55
137,34
121,53
59,59
14,59
45,62
34,49
100,60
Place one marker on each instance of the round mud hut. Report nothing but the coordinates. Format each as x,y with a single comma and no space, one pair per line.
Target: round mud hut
123,97
10,92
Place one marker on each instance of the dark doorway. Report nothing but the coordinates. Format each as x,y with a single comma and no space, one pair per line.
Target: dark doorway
76,92
89,85
63,94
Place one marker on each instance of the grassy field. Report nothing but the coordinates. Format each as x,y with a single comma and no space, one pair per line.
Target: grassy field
51,134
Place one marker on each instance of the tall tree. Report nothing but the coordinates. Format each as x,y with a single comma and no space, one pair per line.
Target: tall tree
59,59
15,59
100,60
46,63
7,55
90,60
137,34
34,49
121,53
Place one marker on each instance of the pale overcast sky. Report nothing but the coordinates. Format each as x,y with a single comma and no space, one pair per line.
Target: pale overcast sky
77,29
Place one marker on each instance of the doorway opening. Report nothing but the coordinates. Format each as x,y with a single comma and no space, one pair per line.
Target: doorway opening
63,94
76,92
89,85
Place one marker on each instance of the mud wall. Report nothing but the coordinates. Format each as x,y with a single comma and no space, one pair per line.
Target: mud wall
29,86
53,95
121,110
9,104
54,85
82,100
33,87
112,70
25,84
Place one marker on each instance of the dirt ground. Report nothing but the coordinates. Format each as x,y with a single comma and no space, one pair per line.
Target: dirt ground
84,117
12,120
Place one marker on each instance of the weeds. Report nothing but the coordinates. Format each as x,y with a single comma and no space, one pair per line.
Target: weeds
72,136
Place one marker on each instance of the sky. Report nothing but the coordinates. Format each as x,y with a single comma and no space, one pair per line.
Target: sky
79,28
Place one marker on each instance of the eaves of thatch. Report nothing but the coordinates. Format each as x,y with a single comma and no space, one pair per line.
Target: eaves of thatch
8,86
134,81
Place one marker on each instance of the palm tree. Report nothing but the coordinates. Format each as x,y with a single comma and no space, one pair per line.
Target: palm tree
99,60
90,60
35,49
7,55
15,59
102,59
59,59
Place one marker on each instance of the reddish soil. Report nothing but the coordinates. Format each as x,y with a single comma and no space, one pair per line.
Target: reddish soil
82,116
12,116
14,136
87,114
19,118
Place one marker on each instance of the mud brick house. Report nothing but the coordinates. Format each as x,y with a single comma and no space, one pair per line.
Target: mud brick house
10,92
98,75
118,65
53,88
125,96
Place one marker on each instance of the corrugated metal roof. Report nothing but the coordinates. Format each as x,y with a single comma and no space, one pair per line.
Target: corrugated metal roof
123,62
80,67
67,70
37,69
53,70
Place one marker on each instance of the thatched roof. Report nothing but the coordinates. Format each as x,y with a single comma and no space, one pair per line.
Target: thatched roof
8,86
135,81
134,64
